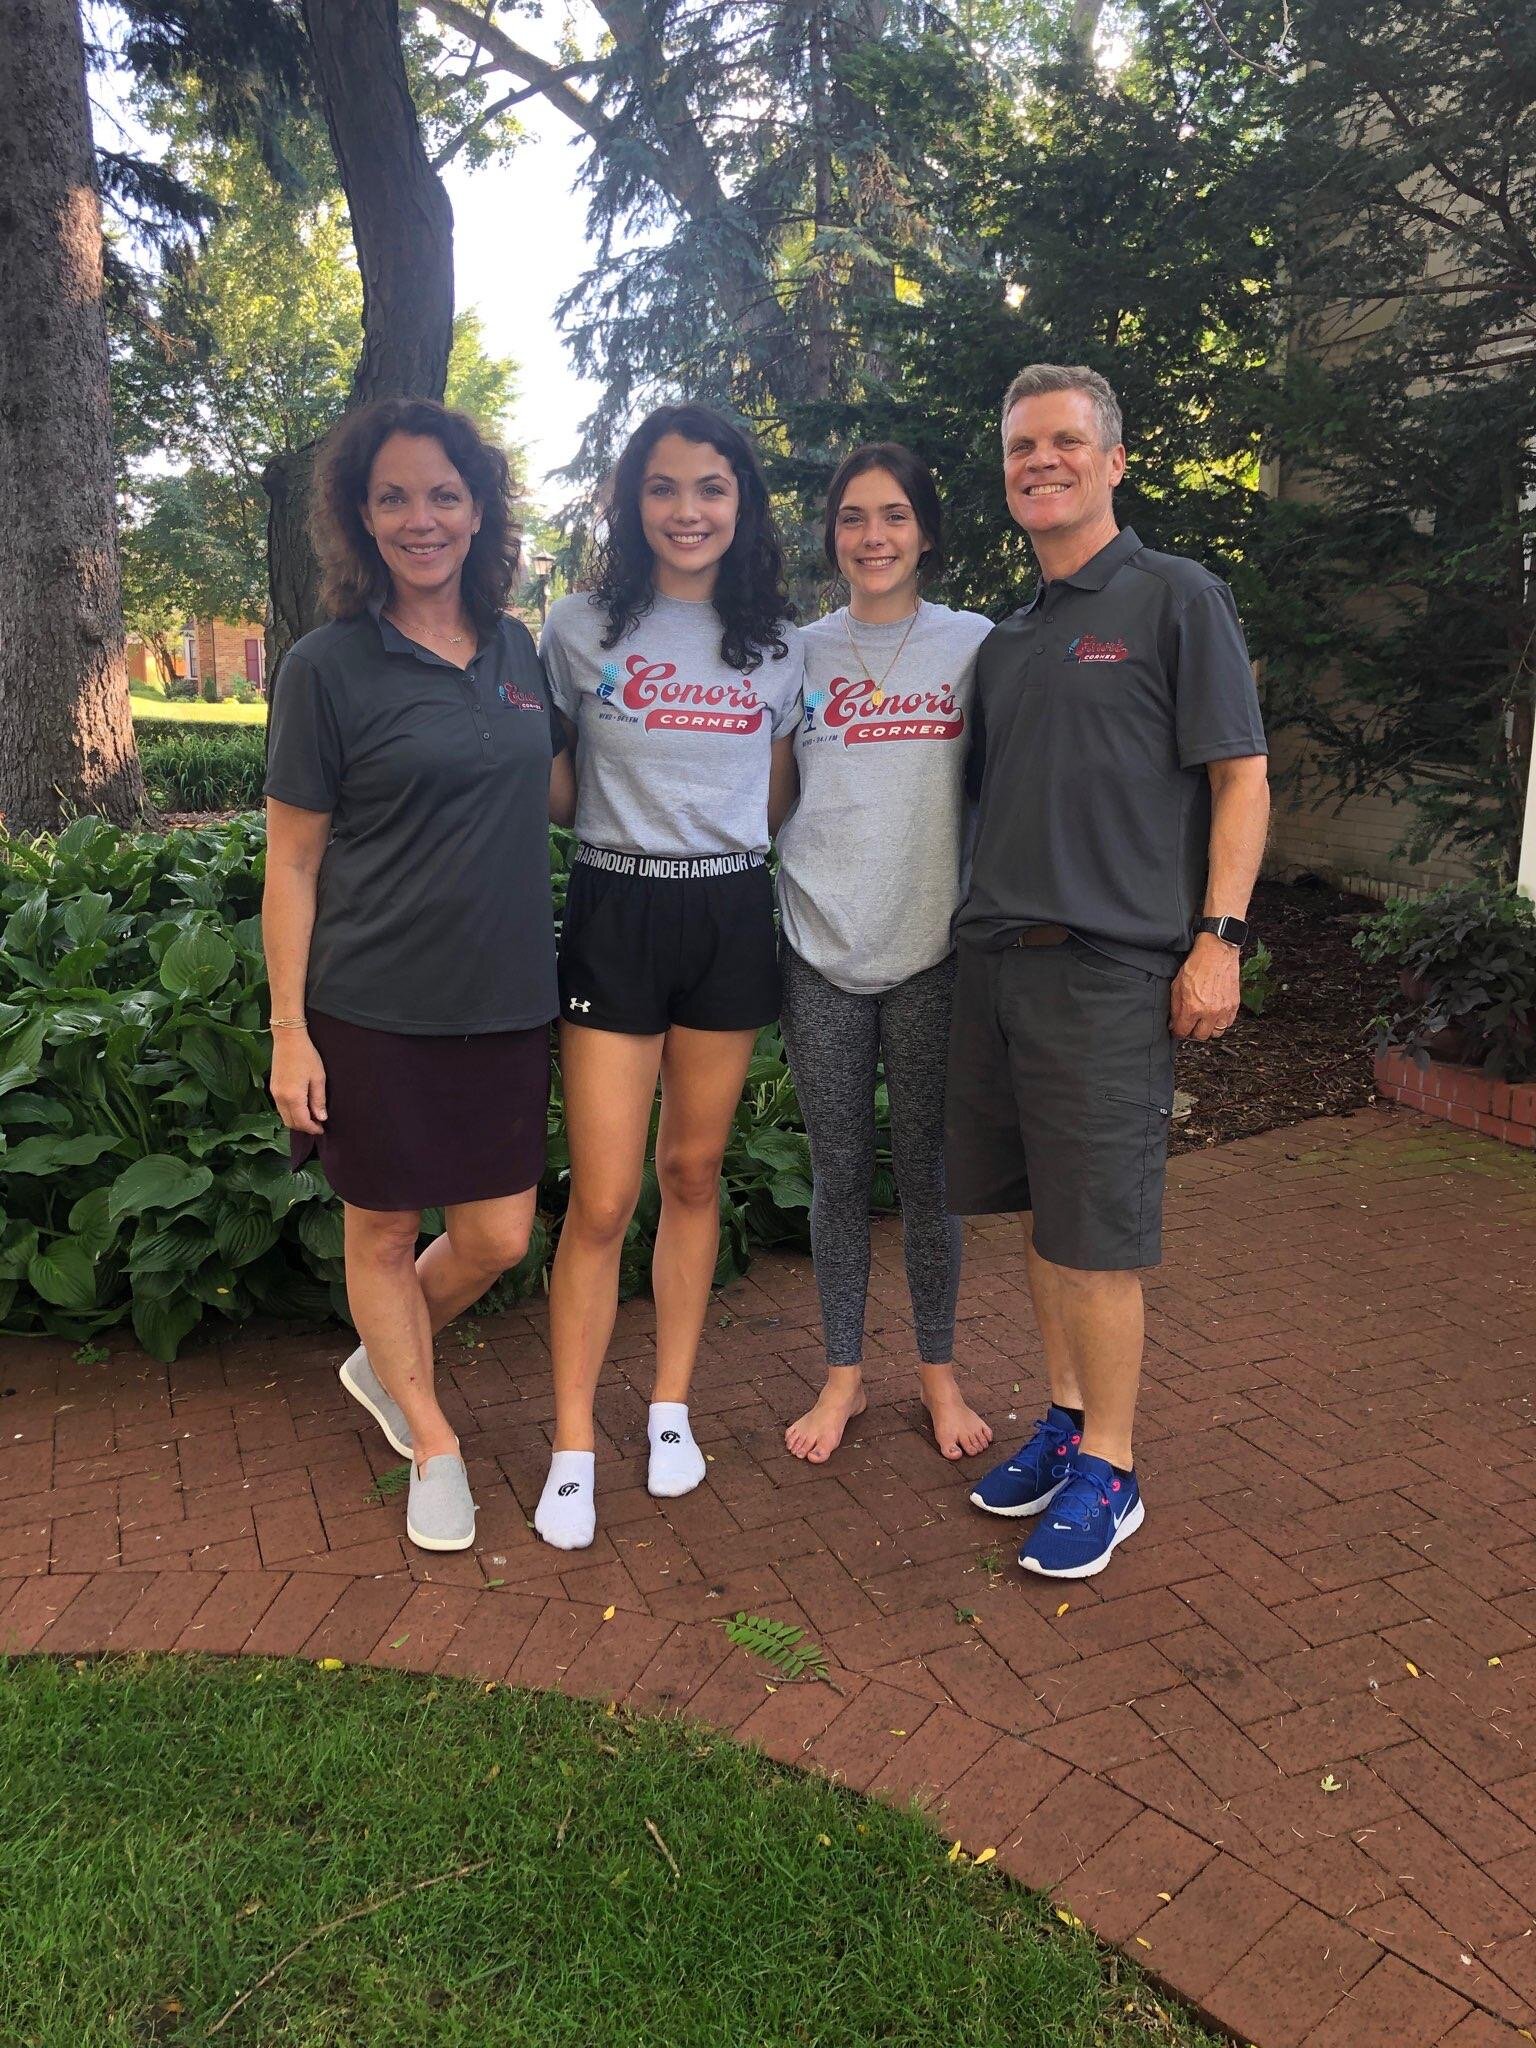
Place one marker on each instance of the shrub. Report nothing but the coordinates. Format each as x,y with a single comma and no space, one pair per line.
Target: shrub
144,1174
1466,964
203,767
181,689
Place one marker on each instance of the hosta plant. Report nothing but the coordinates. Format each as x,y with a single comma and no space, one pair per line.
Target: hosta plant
143,1171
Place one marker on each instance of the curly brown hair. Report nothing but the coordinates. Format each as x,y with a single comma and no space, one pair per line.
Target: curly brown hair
352,572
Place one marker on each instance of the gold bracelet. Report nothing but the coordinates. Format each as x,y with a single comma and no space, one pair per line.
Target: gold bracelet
289,1023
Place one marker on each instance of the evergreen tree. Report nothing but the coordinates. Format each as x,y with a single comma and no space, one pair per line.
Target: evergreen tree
1394,600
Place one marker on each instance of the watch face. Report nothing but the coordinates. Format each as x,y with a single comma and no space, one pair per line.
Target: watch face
1233,929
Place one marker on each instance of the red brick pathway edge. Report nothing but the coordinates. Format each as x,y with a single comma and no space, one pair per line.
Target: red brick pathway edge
1283,1754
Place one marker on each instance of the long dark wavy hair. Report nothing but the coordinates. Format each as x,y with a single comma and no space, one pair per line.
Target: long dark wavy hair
916,480
352,571
749,591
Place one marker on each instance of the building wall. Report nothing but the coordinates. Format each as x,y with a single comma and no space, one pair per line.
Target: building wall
1353,845
223,653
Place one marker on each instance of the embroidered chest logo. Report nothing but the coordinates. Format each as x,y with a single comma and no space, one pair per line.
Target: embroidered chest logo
518,700
864,715
1088,647
652,688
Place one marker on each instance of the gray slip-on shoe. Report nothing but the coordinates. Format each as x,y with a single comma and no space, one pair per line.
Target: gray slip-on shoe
439,1514
362,1383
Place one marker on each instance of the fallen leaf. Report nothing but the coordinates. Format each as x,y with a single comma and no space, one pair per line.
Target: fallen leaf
1062,1609
954,1853
330,1664
495,1582
1410,1667
985,1855
1166,1897
1331,1784
1067,1919
400,1641
609,1613
1142,1944
898,1731
1494,1663
825,1841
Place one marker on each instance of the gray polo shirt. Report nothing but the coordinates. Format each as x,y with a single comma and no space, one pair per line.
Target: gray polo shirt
1099,705
433,912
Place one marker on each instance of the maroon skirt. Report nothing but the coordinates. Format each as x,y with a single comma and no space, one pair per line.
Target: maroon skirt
423,1123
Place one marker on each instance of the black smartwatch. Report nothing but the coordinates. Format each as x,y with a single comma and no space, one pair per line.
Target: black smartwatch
1233,931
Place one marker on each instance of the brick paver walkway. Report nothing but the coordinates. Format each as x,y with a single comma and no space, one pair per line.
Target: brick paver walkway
1284,1751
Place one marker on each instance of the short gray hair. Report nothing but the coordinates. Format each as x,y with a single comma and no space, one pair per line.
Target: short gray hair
1036,378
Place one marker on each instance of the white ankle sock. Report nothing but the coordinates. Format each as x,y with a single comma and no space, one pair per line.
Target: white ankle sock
566,1515
677,1463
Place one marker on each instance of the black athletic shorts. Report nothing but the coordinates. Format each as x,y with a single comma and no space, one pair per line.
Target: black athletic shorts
1058,1098
649,942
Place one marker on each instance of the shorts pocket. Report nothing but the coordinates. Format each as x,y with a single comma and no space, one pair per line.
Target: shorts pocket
1102,967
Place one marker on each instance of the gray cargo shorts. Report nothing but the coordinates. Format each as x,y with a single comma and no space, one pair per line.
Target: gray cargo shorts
1059,1092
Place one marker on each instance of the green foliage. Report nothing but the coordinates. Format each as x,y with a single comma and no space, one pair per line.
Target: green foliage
203,767
1258,978
1391,597
144,1175
780,1643
1466,962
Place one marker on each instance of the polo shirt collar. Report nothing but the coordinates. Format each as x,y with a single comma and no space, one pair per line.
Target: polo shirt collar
1098,569
395,642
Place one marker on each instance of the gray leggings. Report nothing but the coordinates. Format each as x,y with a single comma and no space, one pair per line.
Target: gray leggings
834,1041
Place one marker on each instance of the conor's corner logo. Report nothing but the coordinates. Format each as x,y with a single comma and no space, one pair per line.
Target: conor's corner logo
670,706
518,700
1086,647
864,715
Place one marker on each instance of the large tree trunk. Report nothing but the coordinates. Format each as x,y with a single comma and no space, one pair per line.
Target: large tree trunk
66,721
402,229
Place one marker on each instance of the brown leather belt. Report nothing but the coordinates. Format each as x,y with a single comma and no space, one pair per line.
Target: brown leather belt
1043,935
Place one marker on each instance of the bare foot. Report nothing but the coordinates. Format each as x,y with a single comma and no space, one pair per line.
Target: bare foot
818,1433
958,1430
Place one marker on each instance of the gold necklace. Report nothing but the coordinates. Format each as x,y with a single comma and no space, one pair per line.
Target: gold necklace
877,690
453,639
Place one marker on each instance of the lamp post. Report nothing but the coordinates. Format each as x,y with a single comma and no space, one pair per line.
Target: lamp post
543,568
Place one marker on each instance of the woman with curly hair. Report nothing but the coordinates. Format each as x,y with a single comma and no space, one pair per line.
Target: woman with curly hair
679,677
413,764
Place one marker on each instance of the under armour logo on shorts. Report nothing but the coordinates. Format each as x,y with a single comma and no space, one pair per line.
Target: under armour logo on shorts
578,1003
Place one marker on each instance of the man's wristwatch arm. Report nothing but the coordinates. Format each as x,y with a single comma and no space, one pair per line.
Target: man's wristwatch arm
1232,931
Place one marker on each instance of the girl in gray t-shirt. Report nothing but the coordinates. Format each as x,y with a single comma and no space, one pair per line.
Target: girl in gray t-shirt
679,679
869,882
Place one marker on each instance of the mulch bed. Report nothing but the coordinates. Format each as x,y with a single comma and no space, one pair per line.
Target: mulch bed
1309,1053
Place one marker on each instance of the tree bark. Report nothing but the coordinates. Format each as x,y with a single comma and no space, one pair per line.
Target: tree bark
66,719
402,229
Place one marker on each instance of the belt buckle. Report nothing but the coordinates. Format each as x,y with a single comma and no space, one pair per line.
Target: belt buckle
1043,935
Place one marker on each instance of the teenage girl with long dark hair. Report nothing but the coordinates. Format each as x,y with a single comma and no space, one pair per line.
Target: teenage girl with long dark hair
679,677
868,885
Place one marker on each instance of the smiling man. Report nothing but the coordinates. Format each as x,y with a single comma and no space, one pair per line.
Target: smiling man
1123,803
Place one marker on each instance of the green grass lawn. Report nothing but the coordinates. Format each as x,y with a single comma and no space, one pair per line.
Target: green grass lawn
171,1830
149,702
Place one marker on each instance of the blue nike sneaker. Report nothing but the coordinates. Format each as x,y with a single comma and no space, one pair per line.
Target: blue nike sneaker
1036,1472
1093,1512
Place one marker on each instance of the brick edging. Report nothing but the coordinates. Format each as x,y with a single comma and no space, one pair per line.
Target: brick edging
1460,1095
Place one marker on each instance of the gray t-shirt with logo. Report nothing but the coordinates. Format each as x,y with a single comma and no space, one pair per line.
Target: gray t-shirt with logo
870,858
673,747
